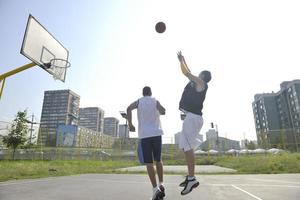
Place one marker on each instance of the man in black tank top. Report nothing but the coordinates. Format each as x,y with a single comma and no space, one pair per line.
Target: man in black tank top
191,103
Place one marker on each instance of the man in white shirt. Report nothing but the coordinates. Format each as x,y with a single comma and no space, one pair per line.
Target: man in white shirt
149,132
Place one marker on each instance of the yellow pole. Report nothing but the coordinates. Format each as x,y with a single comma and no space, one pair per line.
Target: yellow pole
12,72
2,82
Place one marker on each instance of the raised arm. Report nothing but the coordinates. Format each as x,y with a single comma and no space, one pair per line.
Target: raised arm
160,108
187,72
129,115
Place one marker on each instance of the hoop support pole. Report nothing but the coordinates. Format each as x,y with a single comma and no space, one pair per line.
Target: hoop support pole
12,72
15,71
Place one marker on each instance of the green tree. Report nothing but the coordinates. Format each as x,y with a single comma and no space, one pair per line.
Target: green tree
250,145
18,132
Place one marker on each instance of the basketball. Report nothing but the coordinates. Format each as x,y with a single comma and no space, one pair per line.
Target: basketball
160,27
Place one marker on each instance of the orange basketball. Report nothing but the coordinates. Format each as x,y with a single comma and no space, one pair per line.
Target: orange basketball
160,27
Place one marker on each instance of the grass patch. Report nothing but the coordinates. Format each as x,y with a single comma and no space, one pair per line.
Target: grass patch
246,164
250,164
262,164
10,170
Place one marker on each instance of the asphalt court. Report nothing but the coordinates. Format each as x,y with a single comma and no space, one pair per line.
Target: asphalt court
130,186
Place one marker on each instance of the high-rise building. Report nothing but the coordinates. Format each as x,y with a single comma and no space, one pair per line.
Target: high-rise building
92,118
59,107
111,126
277,117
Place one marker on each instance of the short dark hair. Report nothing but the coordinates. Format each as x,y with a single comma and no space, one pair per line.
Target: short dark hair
206,76
147,91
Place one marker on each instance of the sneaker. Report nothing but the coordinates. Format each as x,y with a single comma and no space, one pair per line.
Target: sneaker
190,185
182,184
158,195
162,189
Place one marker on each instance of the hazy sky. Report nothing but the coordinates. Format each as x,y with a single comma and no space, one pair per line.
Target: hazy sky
249,46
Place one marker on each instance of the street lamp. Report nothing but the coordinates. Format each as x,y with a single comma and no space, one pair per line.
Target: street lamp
212,126
31,128
124,115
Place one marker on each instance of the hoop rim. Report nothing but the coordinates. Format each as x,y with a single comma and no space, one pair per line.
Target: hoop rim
52,61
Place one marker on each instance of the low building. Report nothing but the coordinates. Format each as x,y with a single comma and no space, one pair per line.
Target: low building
221,144
77,136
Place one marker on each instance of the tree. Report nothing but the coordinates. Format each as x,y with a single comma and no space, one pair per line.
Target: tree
18,132
250,145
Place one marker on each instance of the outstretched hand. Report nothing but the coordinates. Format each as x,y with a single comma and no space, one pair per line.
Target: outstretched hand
180,56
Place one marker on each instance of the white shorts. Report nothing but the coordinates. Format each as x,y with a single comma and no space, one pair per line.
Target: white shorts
189,136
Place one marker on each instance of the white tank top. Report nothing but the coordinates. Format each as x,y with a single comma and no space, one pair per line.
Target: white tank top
148,118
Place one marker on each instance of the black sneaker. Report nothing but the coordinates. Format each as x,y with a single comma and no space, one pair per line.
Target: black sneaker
162,189
183,184
158,195
190,185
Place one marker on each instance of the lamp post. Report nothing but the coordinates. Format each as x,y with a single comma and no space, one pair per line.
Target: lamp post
31,122
31,128
124,115
212,126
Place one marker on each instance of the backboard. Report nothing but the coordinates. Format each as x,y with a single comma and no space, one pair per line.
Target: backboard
40,46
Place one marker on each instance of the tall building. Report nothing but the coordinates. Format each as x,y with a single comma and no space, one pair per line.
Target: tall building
59,107
111,126
277,117
123,131
92,118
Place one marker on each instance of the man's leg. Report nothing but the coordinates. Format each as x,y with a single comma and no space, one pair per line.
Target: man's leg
160,173
151,174
146,151
159,165
190,161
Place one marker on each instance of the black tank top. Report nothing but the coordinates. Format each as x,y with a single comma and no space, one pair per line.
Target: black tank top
191,100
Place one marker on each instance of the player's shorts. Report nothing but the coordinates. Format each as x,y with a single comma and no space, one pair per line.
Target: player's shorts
149,149
189,136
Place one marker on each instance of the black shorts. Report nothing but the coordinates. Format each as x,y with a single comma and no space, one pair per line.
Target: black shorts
149,149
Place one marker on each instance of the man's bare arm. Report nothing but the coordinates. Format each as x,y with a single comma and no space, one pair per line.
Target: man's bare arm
186,71
129,115
160,108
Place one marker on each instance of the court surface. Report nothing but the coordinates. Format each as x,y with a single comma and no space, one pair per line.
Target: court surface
128,186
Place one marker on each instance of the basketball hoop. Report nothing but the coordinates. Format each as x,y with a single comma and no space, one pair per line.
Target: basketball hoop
58,66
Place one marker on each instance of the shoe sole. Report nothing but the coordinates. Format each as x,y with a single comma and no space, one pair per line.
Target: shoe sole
159,196
194,186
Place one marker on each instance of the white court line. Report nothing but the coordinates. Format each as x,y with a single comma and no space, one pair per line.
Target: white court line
252,195
260,185
272,180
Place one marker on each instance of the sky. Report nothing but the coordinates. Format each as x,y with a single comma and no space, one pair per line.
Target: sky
250,47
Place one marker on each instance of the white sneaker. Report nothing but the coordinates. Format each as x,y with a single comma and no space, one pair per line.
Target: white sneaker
158,195
190,185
